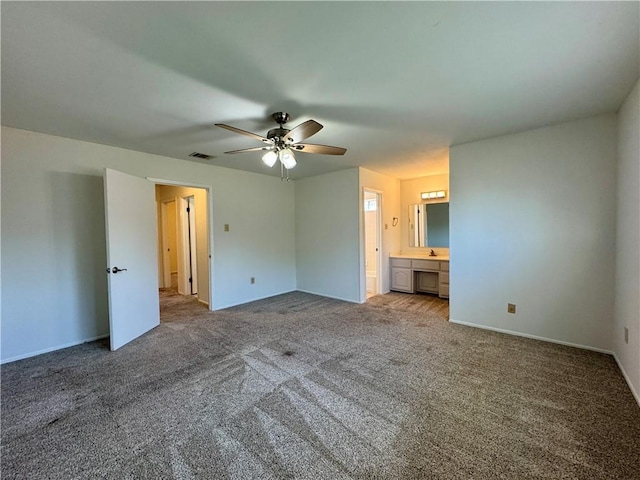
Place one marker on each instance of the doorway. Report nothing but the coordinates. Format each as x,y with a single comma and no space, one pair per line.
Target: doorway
372,241
183,241
169,244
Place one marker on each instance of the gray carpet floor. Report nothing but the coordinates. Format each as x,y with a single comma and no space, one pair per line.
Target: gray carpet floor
300,386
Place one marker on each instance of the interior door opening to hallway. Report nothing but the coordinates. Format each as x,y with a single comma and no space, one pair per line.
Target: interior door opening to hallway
136,224
189,226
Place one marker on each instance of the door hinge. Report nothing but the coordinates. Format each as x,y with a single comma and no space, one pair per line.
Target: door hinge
190,280
188,209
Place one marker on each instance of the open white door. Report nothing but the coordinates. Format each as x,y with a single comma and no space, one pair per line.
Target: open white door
131,256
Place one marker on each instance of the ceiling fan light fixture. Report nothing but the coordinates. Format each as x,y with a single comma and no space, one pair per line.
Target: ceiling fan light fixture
287,159
270,158
283,141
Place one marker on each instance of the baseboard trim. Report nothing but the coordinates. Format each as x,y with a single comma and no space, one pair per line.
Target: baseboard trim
52,349
203,302
331,296
627,379
533,337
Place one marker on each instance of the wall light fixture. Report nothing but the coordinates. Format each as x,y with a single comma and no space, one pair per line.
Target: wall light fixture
433,195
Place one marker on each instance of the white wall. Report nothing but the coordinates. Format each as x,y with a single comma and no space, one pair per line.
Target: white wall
410,191
390,189
327,235
533,223
627,296
53,255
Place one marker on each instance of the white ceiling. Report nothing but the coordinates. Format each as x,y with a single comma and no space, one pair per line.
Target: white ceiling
394,83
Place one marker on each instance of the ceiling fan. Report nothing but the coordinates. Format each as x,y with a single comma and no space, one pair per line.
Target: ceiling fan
281,143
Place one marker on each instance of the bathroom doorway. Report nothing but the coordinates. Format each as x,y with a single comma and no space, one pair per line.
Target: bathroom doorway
372,241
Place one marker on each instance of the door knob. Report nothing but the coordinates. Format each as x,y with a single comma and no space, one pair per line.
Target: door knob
116,270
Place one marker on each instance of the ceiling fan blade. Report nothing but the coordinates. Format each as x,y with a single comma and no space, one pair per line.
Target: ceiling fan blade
321,149
302,131
254,149
243,132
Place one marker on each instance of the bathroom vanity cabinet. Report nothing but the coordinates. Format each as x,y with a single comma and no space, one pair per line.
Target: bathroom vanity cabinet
420,274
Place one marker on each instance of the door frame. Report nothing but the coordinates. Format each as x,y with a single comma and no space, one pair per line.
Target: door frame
208,189
188,236
363,274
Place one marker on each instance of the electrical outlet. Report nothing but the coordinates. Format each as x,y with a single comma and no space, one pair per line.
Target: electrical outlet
226,227
511,307
626,335
253,280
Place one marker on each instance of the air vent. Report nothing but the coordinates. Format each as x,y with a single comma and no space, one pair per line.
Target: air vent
203,156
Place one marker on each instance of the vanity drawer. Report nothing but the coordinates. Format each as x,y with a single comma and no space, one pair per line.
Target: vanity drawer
401,262
444,266
444,277
425,265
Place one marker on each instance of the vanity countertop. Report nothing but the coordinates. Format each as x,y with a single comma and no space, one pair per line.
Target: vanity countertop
444,258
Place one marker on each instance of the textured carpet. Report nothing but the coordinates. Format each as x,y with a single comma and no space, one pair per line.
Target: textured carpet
300,386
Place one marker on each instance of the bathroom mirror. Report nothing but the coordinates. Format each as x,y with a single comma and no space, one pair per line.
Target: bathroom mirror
429,225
